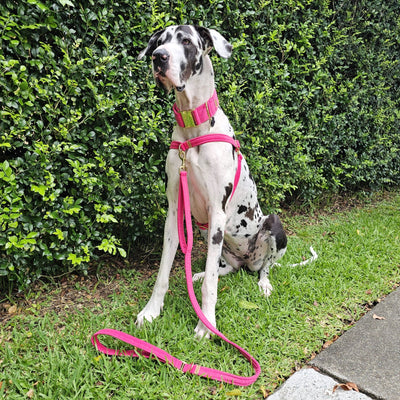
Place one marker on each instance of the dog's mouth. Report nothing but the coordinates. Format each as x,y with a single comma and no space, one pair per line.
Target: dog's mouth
168,81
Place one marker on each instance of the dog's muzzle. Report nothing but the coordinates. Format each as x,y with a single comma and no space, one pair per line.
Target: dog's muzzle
160,60
161,66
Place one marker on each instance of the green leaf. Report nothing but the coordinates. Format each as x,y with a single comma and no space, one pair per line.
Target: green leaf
39,4
247,305
32,235
41,189
121,252
67,3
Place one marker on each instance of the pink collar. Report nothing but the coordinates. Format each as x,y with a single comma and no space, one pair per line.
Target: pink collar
201,114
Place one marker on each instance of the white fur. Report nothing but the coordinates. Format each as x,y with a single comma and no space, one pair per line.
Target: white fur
211,171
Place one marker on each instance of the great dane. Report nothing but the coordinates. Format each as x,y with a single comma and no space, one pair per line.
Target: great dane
238,232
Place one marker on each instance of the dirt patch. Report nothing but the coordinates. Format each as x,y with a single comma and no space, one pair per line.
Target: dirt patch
77,291
71,292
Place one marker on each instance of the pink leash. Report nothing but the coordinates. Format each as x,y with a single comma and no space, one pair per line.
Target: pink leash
148,350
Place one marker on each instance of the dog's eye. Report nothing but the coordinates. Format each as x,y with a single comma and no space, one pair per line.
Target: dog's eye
185,42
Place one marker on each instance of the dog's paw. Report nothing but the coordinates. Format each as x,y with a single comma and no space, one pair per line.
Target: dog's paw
201,331
147,314
198,277
265,287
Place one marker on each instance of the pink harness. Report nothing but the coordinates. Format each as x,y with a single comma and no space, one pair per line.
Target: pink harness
148,350
213,137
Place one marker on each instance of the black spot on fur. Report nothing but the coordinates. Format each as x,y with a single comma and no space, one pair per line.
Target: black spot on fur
243,223
199,66
212,121
184,28
190,52
168,38
252,243
228,46
228,191
183,66
242,209
217,238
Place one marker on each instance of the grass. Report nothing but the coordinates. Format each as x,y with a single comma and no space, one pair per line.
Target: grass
45,350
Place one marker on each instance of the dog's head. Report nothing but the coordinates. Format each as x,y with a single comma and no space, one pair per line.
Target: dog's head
177,53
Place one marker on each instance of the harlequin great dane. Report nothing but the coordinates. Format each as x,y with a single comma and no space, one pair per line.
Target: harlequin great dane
238,232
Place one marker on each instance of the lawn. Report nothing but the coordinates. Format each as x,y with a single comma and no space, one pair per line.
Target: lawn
45,349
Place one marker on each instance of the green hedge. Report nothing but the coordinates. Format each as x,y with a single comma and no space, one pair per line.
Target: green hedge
312,90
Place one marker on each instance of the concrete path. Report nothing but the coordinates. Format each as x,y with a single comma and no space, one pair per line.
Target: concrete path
368,355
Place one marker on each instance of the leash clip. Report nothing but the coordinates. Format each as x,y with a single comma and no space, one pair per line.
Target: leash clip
182,156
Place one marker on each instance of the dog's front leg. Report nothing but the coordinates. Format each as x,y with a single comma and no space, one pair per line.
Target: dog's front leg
171,240
209,289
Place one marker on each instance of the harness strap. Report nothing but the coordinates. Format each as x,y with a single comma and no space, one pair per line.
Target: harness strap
145,349
214,137
199,140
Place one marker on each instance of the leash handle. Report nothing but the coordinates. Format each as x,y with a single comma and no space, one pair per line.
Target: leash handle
141,347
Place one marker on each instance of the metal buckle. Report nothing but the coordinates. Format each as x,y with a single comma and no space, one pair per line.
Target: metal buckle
188,119
182,156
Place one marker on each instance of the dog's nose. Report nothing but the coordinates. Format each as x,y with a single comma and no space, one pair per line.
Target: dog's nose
160,56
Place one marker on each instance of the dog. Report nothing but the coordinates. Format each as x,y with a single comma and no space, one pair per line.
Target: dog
238,233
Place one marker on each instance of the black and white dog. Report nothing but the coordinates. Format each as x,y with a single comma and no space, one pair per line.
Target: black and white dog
238,232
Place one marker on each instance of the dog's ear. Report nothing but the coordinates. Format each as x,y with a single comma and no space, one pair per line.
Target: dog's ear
151,46
212,38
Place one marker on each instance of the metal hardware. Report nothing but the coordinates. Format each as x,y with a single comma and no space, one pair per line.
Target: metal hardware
182,156
188,119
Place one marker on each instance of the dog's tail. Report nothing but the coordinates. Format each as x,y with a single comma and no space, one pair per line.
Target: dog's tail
313,257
